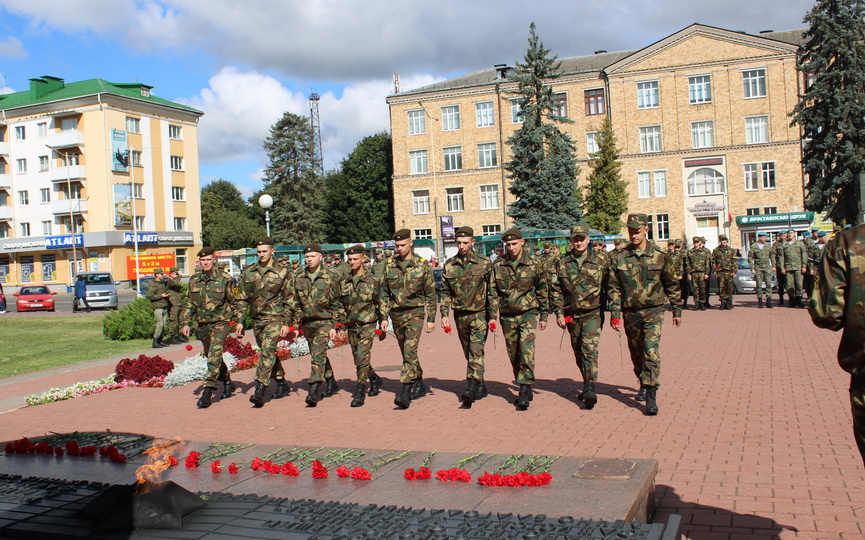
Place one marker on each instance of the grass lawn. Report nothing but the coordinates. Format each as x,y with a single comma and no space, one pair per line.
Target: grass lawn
31,344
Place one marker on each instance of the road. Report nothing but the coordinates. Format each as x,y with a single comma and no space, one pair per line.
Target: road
63,305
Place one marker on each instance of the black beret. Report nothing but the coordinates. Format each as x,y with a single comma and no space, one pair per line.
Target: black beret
312,248
464,231
204,252
355,250
264,241
402,234
512,234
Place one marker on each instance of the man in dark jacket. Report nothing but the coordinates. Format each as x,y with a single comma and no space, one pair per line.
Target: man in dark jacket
80,294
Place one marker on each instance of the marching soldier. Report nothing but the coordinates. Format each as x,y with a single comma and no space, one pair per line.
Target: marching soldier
640,278
793,264
724,264
779,274
761,258
520,288
175,299
267,289
699,261
360,295
466,290
210,303
409,289
682,272
577,293
158,295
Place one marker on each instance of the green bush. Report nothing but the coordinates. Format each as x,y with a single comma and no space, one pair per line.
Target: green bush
134,321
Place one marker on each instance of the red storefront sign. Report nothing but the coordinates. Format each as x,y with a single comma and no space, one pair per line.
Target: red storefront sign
148,263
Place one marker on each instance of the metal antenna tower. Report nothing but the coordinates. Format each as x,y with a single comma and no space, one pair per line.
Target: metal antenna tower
315,122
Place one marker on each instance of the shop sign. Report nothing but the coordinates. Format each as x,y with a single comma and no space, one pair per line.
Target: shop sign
148,263
143,238
706,209
774,218
64,241
175,238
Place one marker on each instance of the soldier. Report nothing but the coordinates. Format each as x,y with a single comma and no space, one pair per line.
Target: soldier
158,295
409,289
466,290
699,261
779,274
813,250
267,289
210,303
577,293
682,272
619,244
838,302
318,313
175,299
793,263
295,266
640,278
761,258
724,264
521,297
378,265
360,295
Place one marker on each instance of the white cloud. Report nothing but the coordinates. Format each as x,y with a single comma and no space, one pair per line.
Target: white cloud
12,49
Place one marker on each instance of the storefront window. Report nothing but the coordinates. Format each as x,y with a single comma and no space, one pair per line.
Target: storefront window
49,268
4,270
28,268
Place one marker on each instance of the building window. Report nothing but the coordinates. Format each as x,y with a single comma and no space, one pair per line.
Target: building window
22,165
660,183
45,195
595,103
453,158
516,112
560,104
705,181
46,228
644,186
42,130
136,158
487,155
25,229
757,130
491,229
702,134
20,133
174,132
648,95
754,82
133,125
23,198
179,224
138,191
422,234
420,201
770,210
176,163
451,118
752,211
644,183
417,162
177,193
650,139
139,222
455,199
700,89
180,259
751,176
416,122
68,124
4,230
76,191
662,222
489,197
43,163
592,142
650,229
768,175
484,113
79,225
73,159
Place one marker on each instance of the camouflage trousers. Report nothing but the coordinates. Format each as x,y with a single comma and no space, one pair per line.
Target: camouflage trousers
472,330
763,277
793,282
407,327
360,338
643,328
725,284
269,365
317,334
212,337
782,283
519,331
174,321
857,404
699,287
161,316
585,331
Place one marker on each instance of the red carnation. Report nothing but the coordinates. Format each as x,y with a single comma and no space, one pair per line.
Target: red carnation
188,348
118,458
88,451
72,448
569,319
424,473
292,329
290,469
409,474
256,464
232,469
617,321
58,451
172,461
232,323
359,473
216,467
448,329
342,472
10,448
377,331
319,471
192,460
493,326
44,448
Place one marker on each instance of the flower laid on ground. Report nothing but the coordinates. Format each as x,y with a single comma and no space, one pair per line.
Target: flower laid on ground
58,451
319,471
515,480
256,464
87,388
378,331
359,473
493,326
173,461
232,468
453,475
343,472
189,347
194,369
216,466
421,474
289,469
112,453
448,329
26,446
192,460
142,368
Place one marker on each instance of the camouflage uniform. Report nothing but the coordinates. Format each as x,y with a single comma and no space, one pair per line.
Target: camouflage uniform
793,261
160,307
699,262
317,312
210,303
724,265
762,261
838,302
682,270
363,305
779,275
175,298
813,252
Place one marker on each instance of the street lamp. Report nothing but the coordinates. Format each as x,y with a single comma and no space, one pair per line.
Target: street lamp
266,201
71,214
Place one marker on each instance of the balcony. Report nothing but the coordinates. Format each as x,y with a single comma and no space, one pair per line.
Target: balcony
5,212
76,173
66,139
4,148
61,207
5,181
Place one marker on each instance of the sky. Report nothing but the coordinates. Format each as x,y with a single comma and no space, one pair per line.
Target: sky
245,63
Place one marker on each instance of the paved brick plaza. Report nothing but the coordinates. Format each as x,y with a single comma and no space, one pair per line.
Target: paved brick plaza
753,439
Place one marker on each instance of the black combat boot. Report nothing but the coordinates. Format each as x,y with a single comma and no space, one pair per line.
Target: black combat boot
696,306
769,302
522,402
589,395
780,300
799,302
641,395
157,344
330,387
730,303
312,398
531,393
403,399
359,396
651,403
281,389
206,398
257,398
228,388
184,339
482,391
177,340
419,390
374,384
470,395
760,303
704,306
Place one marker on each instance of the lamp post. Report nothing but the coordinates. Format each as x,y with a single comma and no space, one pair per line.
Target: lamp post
266,201
71,213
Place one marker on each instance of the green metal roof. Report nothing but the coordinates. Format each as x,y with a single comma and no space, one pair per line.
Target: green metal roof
47,89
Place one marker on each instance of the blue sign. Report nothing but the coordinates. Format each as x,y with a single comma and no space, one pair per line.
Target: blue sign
64,241
143,238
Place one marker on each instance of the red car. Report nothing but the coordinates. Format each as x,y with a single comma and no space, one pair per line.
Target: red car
34,298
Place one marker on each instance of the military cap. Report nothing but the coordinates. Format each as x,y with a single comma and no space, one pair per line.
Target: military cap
580,229
264,241
790,231
174,269
761,233
703,239
821,234
464,231
312,248
354,250
157,271
722,237
512,234
814,229
548,245
696,239
678,243
204,252
637,220
402,234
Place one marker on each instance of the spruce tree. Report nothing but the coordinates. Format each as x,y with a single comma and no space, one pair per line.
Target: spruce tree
831,112
543,168
606,192
293,182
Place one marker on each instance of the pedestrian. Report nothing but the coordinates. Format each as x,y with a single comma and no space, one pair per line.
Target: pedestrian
577,292
81,296
725,265
266,289
793,262
318,312
409,289
466,289
641,277
699,263
838,303
360,296
520,288
175,301
158,295
761,259
211,304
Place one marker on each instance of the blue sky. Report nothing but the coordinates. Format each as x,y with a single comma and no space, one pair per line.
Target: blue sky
245,63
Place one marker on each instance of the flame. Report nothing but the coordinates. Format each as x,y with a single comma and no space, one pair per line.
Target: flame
158,459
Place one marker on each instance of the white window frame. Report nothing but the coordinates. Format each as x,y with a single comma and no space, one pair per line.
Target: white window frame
68,124
754,83
660,180
450,118
136,158
491,229
180,224
420,203
20,133
487,155
133,125
178,193
43,164
651,140
648,95
139,222
751,176
175,132
700,89
455,199
416,122
45,195
767,175
703,134
691,185
560,104
137,191
423,234
25,229
489,194
592,142
485,114
46,228
74,159
21,165
453,158
662,233
516,112
757,129
644,184
176,163
42,130
418,162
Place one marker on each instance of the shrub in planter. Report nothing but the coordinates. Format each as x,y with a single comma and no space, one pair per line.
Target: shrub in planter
134,321
142,368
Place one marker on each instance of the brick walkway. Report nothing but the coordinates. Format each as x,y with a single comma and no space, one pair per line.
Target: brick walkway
753,439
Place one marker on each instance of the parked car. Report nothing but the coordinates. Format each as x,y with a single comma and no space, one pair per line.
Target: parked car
145,282
101,289
35,298
743,281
